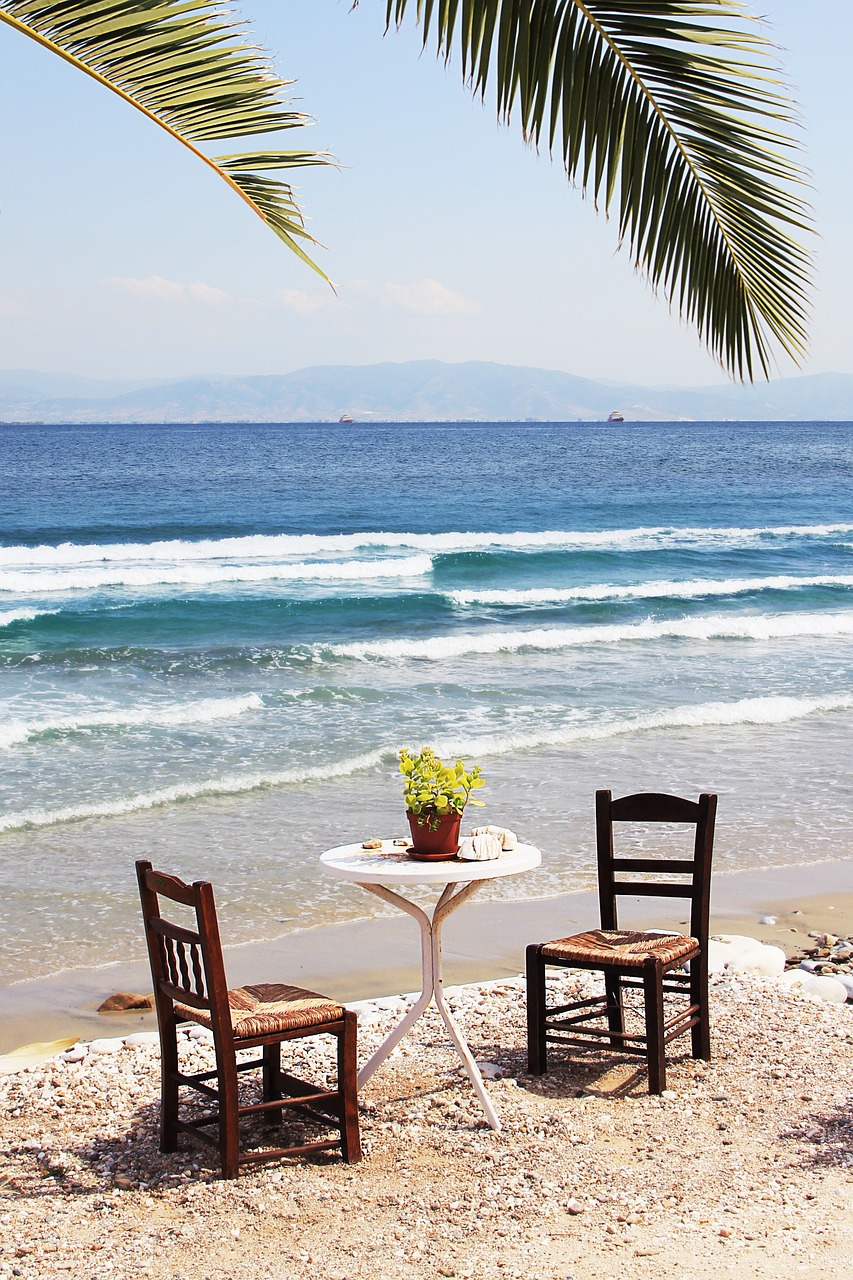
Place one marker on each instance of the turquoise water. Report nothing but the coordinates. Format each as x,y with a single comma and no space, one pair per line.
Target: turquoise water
214,639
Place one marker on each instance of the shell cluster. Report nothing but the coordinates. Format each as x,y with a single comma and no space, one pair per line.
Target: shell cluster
485,843
508,839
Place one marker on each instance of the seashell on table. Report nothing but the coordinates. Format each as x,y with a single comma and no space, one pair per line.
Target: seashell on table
508,839
481,847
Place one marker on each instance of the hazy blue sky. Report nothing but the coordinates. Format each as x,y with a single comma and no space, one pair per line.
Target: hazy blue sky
446,238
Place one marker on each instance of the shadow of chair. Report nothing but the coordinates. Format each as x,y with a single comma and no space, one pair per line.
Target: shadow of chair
660,965
189,985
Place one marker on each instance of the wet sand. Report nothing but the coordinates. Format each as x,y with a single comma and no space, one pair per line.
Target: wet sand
379,956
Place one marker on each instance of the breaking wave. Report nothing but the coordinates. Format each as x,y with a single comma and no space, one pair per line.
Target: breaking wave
258,546
656,589
195,573
707,627
229,785
8,616
15,732
746,711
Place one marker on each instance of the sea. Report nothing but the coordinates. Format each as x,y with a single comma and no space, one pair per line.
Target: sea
214,640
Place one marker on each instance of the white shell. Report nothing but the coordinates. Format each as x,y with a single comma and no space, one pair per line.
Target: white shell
481,847
508,839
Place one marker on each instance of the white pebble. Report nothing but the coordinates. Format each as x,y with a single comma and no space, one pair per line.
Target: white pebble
388,1004
846,980
76,1053
105,1046
829,990
490,1070
729,949
142,1037
744,955
769,961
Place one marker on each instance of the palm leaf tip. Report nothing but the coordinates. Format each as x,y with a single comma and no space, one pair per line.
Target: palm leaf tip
674,113
188,66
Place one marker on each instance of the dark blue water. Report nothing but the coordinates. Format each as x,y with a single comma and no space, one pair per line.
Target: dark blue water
100,483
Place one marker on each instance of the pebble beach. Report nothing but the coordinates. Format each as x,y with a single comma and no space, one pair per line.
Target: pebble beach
745,1165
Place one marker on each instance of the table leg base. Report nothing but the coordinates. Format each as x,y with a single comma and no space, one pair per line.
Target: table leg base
432,988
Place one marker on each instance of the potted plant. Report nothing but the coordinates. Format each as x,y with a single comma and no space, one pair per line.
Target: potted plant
435,795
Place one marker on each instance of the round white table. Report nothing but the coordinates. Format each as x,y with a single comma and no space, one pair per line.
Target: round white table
374,870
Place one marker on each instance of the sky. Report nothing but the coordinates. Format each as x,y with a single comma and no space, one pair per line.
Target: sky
123,257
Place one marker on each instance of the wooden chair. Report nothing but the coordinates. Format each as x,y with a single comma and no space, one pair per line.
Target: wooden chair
652,962
189,985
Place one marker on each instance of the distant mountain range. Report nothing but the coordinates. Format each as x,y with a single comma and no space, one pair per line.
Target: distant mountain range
415,391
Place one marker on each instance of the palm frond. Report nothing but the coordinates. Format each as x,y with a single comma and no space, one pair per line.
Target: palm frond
673,113
185,64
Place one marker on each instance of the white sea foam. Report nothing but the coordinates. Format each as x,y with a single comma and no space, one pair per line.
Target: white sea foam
9,616
655,589
172,715
194,573
228,785
743,713
706,627
705,715
266,546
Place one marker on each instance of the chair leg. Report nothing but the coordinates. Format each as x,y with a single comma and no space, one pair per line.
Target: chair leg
168,1083
272,1082
653,1001
615,1007
700,1034
537,1047
229,1120
348,1088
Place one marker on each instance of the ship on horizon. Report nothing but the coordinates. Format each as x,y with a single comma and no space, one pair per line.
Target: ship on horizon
616,416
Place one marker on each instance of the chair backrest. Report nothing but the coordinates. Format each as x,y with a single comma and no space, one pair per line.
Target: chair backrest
186,963
693,874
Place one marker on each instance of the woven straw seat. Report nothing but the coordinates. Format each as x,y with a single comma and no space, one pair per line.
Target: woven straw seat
665,968
189,985
631,949
269,1007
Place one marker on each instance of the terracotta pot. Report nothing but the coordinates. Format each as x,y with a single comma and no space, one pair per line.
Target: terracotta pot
432,843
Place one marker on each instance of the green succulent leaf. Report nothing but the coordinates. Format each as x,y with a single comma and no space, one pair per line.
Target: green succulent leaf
431,787
186,65
672,114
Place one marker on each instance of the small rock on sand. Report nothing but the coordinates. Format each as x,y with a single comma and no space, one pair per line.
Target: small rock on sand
122,1001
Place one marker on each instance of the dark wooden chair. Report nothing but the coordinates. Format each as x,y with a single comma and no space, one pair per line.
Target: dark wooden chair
189,985
653,962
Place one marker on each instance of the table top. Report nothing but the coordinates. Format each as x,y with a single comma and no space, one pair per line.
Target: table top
392,865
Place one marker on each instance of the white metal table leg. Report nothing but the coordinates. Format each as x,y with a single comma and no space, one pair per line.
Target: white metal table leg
431,986
411,1017
447,904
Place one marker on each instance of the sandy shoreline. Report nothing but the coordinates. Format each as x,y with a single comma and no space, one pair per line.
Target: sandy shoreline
378,956
744,1167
